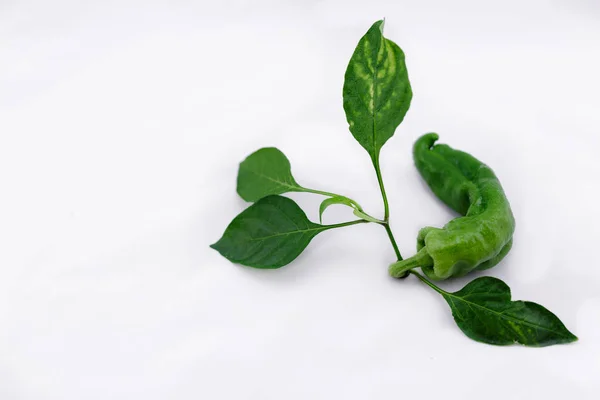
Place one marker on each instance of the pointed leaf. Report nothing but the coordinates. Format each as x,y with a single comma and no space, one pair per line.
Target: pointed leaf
269,234
335,200
483,310
265,172
377,91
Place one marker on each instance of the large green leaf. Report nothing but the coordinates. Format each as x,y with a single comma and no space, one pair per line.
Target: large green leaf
269,234
377,91
483,310
265,172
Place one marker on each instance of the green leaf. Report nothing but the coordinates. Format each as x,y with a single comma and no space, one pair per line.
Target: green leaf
367,217
269,234
483,310
265,172
377,91
335,200
350,203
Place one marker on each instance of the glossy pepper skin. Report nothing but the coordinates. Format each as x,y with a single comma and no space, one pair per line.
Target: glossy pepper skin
478,240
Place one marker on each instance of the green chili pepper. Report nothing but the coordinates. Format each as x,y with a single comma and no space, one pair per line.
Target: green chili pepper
477,241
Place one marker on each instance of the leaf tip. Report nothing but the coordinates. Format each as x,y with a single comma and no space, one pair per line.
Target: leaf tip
379,24
215,246
571,338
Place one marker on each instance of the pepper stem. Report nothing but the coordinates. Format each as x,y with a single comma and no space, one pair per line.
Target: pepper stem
400,269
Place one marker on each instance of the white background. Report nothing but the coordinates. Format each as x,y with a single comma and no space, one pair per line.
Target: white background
121,128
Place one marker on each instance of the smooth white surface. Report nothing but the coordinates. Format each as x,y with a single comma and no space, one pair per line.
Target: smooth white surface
121,127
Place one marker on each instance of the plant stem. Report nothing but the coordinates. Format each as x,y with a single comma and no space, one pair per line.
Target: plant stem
392,240
329,194
428,283
323,193
367,217
400,269
341,225
386,208
356,206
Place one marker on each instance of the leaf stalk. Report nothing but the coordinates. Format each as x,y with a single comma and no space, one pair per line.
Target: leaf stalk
386,208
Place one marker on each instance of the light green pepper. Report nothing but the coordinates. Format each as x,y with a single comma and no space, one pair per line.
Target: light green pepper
477,241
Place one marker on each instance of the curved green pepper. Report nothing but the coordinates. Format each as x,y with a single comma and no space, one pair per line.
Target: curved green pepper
477,241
